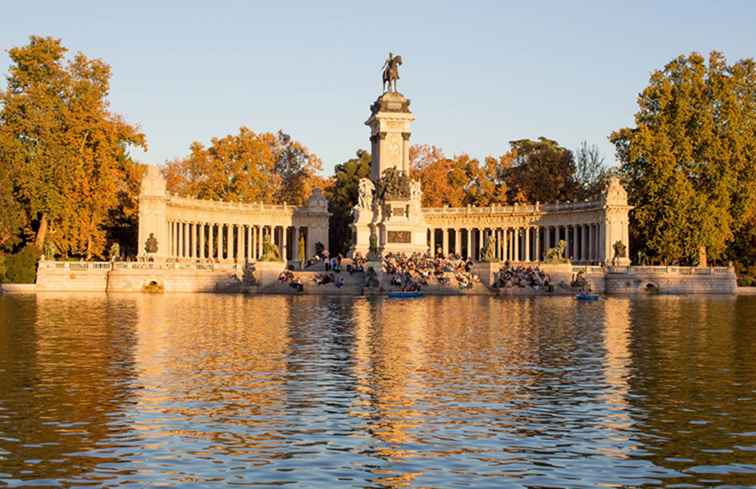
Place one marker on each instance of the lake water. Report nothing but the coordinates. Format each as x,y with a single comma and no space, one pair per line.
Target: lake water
213,390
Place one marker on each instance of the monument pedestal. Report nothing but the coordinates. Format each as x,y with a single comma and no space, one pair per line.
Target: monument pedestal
402,228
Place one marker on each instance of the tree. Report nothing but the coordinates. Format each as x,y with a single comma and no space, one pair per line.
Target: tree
590,172
12,218
297,167
690,162
342,194
238,168
542,171
63,146
246,167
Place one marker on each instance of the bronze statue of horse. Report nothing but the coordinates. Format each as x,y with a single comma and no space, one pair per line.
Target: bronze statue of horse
391,74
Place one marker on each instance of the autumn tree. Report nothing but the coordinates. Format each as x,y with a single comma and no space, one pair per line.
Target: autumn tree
13,216
63,146
690,160
297,168
246,167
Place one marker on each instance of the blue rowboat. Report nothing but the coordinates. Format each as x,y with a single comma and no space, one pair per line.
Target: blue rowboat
405,294
587,296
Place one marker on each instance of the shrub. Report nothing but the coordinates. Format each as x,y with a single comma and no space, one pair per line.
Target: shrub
21,268
2,268
746,282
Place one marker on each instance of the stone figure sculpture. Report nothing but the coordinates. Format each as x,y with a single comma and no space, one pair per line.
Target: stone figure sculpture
393,185
151,244
620,251
270,251
487,254
373,253
391,72
115,251
366,189
556,254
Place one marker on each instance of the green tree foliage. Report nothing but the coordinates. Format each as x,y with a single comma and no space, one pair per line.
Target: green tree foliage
690,162
64,149
21,268
342,193
542,171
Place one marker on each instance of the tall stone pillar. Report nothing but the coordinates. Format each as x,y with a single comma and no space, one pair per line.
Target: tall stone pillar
458,242
433,241
445,241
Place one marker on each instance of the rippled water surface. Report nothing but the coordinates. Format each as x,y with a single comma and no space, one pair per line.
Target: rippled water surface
207,390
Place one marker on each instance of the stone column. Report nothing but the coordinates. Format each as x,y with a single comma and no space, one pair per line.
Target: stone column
170,238
590,242
516,244
184,239
445,241
220,241
201,229
192,242
527,243
259,241
248,249
210,253
284,245
239,243
433,241
457,241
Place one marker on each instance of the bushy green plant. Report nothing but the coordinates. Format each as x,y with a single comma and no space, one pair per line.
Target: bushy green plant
21,268
2,268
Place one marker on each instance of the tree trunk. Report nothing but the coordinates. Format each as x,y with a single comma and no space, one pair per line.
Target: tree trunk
39,241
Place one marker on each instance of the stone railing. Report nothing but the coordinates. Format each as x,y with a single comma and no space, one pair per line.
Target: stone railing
105,266
174,199
672,269
514,209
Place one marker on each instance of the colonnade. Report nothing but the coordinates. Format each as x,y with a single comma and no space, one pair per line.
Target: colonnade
521,243
234,242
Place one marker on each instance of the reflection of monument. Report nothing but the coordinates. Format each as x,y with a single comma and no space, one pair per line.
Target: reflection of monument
389,204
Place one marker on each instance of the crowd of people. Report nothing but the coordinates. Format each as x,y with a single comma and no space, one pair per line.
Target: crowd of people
518,276
415,271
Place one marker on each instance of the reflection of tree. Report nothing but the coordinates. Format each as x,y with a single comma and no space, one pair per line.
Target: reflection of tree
691,384
65,386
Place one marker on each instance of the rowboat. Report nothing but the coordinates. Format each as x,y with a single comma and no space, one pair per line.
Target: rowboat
405,294
587,296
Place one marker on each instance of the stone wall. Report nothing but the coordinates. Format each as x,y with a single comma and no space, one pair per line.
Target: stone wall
262,277
671,280
72,276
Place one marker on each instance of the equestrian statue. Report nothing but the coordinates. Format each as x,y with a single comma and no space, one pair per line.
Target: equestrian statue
391,72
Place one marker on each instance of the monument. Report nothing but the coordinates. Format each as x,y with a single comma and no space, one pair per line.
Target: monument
389,208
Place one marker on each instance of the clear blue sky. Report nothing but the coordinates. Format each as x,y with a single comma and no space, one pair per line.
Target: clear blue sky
479,73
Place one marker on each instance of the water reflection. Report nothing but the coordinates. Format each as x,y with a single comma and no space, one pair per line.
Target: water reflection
183,390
